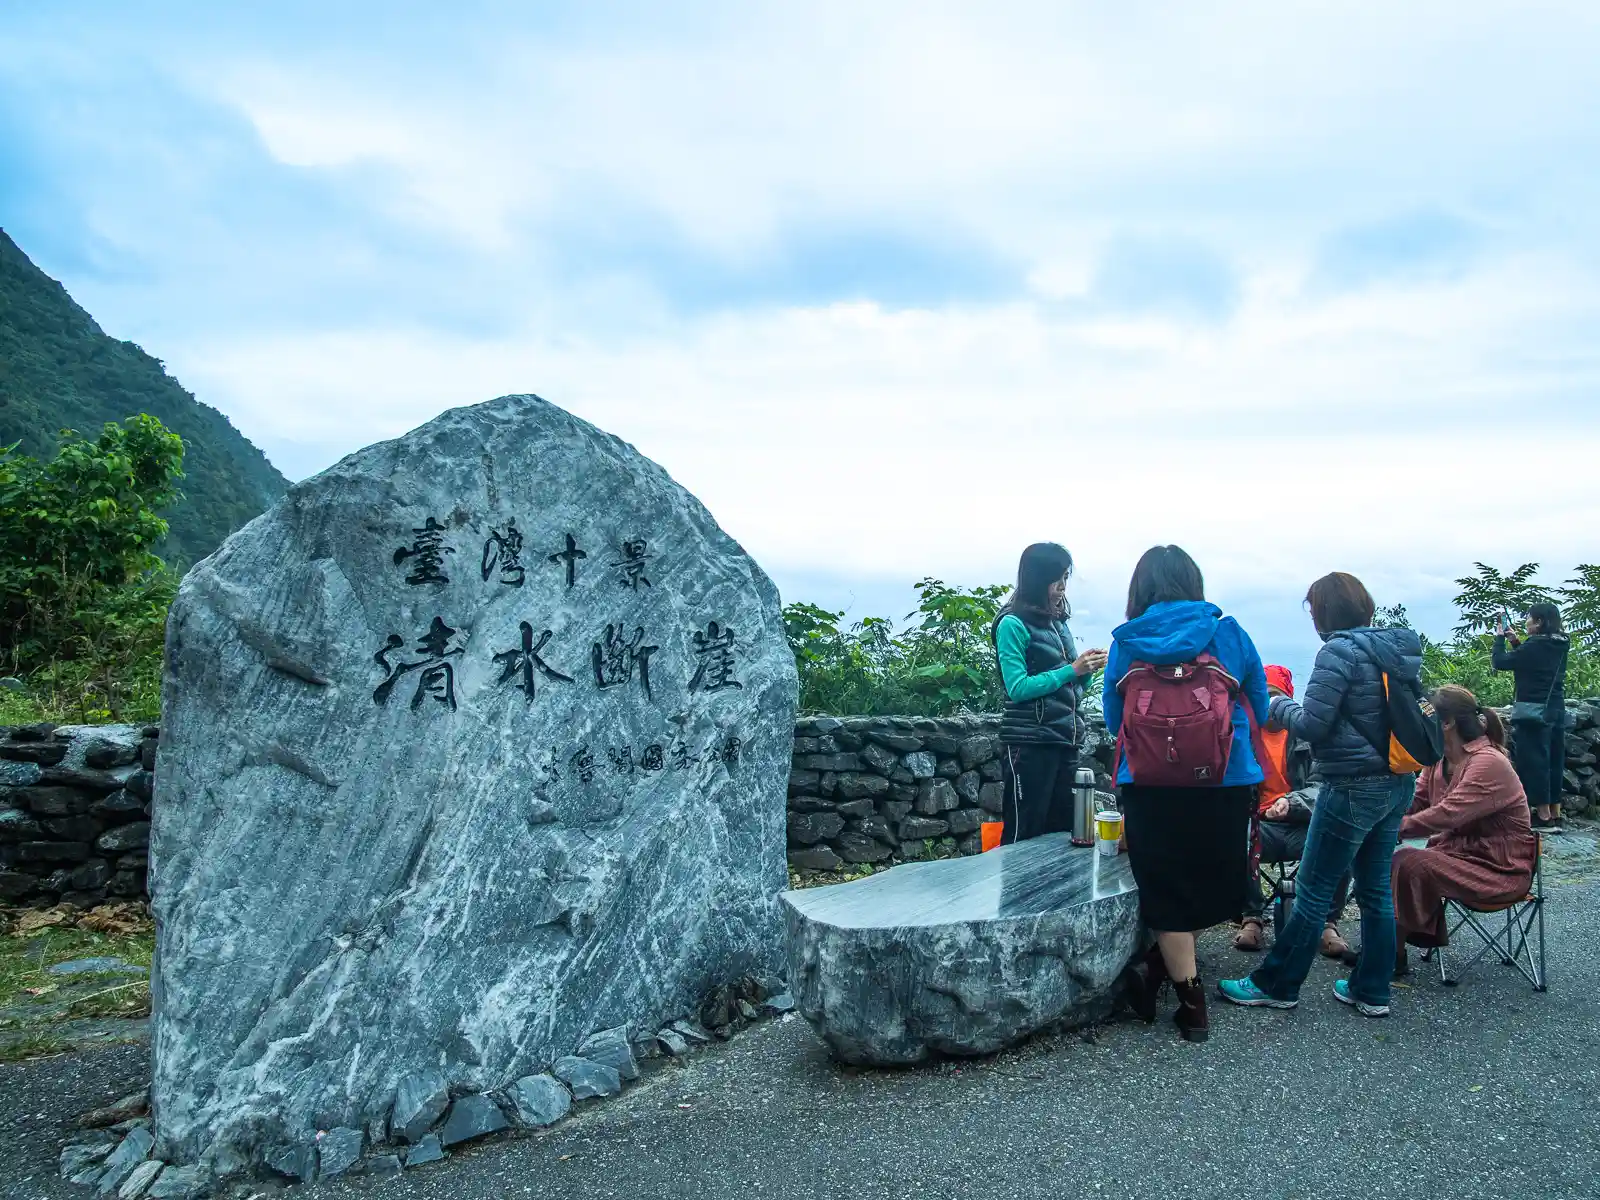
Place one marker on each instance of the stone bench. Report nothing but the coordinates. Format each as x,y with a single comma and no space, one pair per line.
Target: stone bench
962,956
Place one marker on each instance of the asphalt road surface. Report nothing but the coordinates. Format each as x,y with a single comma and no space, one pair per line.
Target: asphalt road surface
1483,1090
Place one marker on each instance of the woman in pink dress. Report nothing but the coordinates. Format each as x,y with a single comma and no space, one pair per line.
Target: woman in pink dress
1473,811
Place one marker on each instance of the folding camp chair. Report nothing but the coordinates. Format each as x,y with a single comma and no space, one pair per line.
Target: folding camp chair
1272,877
1513,942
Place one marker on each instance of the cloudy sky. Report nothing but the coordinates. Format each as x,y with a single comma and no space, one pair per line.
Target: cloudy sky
894,288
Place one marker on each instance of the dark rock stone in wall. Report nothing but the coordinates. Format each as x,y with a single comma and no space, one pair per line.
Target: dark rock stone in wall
54,801
93,874
936,796
72,829
125,837
917,828
121,805
803,782
992,797
52,852
813,858
965,820
853,786
878,759
976,750
856,847
828,762
900,743
893,810
101,753
807,829
17,826
43,753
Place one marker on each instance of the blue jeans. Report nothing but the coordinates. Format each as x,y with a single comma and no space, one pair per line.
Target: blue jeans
1354,828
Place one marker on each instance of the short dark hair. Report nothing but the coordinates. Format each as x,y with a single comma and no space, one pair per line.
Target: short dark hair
1548,616
1163,574
1340,601
1041,565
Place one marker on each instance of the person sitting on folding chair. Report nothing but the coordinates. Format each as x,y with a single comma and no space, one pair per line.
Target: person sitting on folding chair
1279,830
1471,807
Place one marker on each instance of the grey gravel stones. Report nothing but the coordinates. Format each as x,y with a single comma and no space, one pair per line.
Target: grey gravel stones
337,1151
426,1151
178,1183
610,1047
81,1162
292,1161
136,1184
419,1101
471,1117
427,704
539,1100
120,1164
588,1080
677,1045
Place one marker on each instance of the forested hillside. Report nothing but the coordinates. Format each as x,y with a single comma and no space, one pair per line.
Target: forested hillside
59,371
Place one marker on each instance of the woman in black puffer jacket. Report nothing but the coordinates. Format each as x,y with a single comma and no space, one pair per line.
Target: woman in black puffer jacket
1539,716
1356,820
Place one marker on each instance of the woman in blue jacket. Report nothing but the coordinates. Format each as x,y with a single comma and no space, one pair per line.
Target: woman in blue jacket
1043,674
1188,846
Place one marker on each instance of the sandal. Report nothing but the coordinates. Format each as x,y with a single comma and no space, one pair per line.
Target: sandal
1333,946
1249,936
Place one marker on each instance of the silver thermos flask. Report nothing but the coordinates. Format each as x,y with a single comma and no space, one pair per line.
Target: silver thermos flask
1083,807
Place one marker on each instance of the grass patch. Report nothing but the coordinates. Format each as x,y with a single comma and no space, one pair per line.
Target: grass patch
35,1045
31,995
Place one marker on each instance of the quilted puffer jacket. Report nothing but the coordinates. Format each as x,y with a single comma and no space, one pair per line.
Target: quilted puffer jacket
1343,713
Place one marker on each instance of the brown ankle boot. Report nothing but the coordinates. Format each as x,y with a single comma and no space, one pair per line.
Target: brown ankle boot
1155,978
1191,1018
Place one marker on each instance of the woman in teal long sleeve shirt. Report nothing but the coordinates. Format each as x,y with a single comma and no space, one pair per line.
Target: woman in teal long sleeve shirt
1043,674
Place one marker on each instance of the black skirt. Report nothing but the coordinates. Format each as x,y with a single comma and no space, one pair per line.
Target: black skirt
1188,849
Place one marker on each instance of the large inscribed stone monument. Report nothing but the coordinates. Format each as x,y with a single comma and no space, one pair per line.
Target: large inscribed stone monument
474,746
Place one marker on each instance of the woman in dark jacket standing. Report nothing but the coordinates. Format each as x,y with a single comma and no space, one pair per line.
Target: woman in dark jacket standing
1538,718
1356,820
1044,675
1188,847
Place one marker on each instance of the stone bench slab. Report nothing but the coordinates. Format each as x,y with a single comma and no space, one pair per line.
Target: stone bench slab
962,956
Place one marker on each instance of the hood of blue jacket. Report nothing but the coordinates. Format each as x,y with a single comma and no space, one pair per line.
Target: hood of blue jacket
1397,651
1172,632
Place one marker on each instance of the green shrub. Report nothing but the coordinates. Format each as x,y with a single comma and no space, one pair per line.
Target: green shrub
941,662
83,598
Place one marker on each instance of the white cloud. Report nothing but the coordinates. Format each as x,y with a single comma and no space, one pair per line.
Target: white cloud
416,213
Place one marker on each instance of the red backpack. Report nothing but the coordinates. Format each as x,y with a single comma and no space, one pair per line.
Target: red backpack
1177,722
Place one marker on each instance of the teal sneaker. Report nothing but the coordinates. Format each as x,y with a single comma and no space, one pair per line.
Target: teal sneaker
1245,992
1341,993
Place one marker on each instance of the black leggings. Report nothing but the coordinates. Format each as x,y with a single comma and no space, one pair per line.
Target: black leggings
1038,791
1539,752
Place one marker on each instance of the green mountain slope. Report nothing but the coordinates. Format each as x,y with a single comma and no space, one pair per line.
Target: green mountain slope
59,371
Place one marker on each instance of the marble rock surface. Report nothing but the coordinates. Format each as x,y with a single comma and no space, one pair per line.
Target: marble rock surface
962,956
473,746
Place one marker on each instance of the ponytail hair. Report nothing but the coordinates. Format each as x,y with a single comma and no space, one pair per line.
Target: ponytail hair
1458,705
